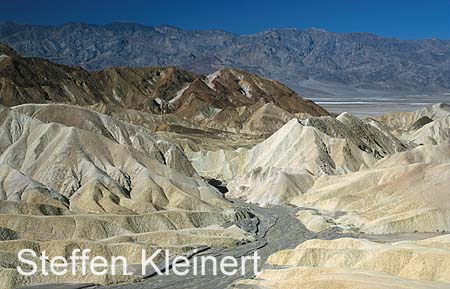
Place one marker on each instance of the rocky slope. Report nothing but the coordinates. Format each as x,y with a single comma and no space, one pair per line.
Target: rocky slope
397,199
228,99
352,174
289,160
354,59
352,263
72,177
399,195
117,184
406,120
429,125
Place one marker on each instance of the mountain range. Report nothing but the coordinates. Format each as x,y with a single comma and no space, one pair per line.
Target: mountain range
305,60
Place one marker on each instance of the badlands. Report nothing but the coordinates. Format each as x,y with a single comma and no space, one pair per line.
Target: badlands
229,163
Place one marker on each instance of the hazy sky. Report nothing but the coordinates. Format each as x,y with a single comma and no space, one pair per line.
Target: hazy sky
397,18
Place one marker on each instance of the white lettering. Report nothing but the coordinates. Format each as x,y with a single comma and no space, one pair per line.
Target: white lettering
149,262
27,262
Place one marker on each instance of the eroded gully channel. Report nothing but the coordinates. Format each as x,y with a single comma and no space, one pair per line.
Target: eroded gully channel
276,227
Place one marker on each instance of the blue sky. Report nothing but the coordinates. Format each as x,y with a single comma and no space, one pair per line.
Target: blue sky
407,19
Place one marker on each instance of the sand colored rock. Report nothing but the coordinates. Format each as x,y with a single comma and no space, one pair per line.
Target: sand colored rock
426,154
389,200
270,186
316,221
402,121
74,178
406,190
358,263
429,125
332,278
295,148
16,187
288,161
184,133
435,132
130,168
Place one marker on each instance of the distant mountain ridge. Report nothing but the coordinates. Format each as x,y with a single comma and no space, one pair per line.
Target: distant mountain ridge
292,56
